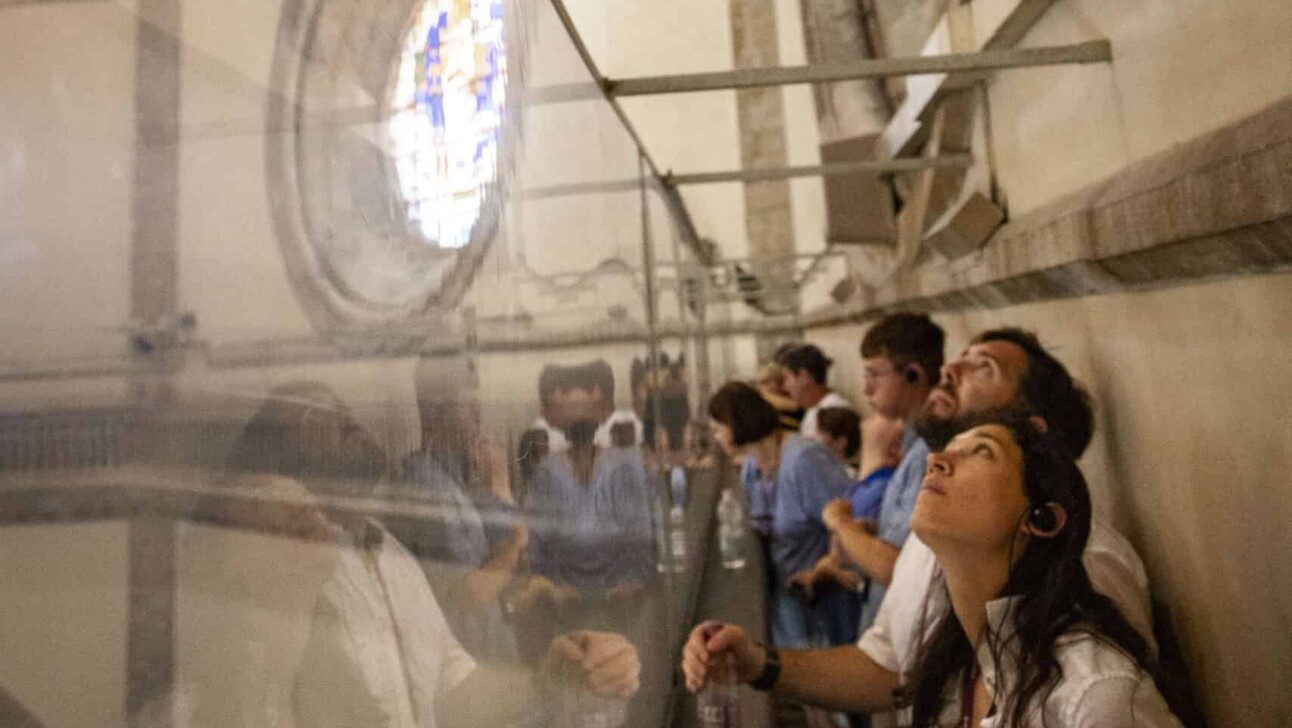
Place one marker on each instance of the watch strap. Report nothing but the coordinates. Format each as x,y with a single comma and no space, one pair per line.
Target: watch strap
766,679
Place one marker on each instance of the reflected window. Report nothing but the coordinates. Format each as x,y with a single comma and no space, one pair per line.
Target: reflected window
447,110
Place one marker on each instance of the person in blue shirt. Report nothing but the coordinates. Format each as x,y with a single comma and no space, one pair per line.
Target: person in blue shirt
901,357
591,548
472,552
879,441
801,476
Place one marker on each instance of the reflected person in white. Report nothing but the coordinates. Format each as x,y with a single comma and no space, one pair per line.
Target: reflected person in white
380,652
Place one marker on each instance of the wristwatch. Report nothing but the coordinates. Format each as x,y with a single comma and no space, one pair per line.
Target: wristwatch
766,679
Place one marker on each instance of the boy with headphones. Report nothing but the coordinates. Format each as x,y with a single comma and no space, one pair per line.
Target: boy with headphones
901,357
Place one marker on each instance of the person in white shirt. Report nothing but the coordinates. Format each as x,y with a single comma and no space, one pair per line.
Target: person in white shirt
806,370
1005,367
379,651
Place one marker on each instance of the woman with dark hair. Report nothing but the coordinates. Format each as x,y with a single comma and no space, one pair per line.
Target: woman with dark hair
792,479
1017,636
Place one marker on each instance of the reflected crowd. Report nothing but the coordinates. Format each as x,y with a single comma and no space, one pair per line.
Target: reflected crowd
478,579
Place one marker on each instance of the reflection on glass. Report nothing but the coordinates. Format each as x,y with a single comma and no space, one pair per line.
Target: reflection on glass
269,464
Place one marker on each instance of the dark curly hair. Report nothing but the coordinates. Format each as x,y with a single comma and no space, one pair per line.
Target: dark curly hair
1049,390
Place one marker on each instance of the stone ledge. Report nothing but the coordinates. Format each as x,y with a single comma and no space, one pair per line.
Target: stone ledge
1220,205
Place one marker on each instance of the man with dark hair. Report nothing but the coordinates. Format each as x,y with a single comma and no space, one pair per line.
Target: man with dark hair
580,393
1044,387
910,342
806,370
1002,368
897,353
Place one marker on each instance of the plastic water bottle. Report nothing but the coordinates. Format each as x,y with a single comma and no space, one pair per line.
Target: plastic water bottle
677,537
677,485
718,705
731,531
576,707
663,555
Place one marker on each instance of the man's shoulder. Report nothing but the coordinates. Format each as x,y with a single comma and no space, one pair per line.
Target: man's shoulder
797,447
911,467
809,451
1109,551
1117,572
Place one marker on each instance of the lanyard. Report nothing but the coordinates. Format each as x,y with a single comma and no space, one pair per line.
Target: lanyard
967,690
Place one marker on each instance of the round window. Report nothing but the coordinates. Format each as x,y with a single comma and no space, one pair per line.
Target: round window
446,114
386,187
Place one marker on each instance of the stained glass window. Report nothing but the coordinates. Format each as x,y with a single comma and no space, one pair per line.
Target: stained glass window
448,108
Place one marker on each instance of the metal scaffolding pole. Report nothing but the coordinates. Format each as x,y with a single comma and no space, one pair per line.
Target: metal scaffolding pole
1099,51
895,166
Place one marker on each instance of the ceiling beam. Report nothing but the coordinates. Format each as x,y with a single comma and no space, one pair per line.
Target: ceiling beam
1099,51
896,166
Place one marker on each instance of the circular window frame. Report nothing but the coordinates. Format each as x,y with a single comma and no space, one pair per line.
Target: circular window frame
319,43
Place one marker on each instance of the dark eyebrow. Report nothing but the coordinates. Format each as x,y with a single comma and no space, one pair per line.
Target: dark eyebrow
986,436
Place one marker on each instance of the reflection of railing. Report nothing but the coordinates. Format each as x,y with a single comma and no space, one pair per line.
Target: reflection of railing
62,440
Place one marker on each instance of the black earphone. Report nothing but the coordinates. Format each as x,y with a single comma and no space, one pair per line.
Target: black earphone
1042,518
911,375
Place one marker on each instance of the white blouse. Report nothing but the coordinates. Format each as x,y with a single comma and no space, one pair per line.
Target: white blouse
1100,687
893,640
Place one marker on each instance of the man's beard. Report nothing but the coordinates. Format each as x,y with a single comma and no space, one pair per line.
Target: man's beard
937,431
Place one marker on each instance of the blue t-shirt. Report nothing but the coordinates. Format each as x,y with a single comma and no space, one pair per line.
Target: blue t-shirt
760,495
596,535
809,476
895,515
867,494
459,537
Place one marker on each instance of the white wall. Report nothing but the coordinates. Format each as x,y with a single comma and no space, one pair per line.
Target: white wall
1180,68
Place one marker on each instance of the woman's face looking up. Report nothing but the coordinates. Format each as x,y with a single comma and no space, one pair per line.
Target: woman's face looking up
973,493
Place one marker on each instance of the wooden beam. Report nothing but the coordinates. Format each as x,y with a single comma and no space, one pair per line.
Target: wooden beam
1099,51
896,166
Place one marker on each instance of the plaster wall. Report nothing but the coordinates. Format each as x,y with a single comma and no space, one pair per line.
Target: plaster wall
1180,69
1190,460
